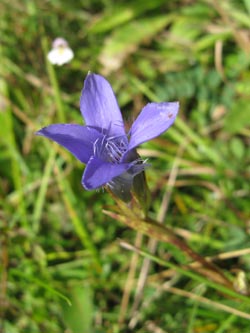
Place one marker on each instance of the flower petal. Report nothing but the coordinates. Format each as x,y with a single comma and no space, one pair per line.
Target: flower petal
77,139
154,119
60,56
98,173
99,106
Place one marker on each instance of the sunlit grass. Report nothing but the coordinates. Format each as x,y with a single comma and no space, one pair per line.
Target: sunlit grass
58,247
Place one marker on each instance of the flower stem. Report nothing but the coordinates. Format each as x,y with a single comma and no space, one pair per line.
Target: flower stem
54,82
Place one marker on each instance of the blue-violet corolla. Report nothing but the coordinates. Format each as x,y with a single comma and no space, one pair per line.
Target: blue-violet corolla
103,144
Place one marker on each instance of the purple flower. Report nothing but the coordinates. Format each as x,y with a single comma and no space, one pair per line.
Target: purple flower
102,144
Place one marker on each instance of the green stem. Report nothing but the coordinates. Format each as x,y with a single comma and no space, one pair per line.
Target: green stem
43,189
54,82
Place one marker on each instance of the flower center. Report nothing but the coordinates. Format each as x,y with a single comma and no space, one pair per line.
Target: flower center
110,149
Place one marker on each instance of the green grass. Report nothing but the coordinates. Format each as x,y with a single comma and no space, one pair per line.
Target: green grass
65,264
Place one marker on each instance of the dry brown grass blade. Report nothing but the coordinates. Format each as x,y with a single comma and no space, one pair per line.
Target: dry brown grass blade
130,280
206,301
162,233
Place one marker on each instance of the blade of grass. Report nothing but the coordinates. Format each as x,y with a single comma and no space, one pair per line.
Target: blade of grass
194,276
40,200
10,142
152,243
68,198
130,280
162,233
193,315
226,324
210,303
42,284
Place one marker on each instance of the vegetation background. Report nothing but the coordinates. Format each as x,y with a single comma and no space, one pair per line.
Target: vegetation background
57,245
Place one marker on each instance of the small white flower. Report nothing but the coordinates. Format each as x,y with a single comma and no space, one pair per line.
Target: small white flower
61,53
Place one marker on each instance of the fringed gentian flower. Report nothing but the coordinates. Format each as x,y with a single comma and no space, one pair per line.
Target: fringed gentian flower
103,144
61,53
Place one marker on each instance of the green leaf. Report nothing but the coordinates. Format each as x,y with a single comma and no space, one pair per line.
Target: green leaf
78,317
127,38
238,117
247,5
237,148
121,14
